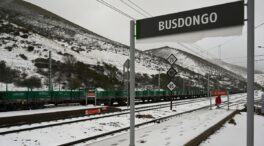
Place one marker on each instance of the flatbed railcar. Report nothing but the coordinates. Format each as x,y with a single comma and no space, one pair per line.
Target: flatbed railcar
109,97
15,100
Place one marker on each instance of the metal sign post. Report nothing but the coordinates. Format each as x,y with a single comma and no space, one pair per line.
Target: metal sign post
126,73
171,73
171,86
207,18
132,83
250,72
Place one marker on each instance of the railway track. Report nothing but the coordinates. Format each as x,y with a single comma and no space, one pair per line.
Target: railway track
123,112
91,118
158,120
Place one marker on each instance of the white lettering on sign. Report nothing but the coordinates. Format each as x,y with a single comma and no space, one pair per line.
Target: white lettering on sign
188,21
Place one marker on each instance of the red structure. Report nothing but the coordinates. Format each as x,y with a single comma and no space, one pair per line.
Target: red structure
219,92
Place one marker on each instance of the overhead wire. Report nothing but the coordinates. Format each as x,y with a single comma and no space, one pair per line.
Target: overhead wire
133,8
115,9
259,60
222,44
259,25
228,41
207,52
186,47
140,8
241,57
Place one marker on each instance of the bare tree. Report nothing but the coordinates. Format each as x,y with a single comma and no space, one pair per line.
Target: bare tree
70,62
31,82
8,75
74,83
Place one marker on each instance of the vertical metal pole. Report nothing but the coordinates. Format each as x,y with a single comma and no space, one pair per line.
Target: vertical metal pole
50,82
208,92
159,79
124,79
86,94
127,89
86,100
171,101
250,72
132,83
183,84
127,81
228,100
262,103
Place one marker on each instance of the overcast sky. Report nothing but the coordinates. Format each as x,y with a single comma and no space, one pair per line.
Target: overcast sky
102,20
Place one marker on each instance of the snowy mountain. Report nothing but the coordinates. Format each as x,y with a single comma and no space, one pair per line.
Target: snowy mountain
223,72
29,32
191,62
259,78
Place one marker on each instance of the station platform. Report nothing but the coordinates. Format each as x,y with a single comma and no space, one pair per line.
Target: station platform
48,114
177,131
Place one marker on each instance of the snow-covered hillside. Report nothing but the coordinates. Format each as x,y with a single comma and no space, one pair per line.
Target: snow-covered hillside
259,78
29,32
191,62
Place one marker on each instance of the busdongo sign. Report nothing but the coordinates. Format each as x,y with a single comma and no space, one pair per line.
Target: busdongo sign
219,16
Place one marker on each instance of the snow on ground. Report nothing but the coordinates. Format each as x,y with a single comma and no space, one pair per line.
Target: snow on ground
73,119
46,110
69,108
70,132
175,132
235,135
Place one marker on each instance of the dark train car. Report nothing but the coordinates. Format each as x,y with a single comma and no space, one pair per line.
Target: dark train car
15,100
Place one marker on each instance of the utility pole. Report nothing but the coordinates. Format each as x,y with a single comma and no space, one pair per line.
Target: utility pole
219,53
183,84
50,68
159,79
132,83
250,71
126,75
208,90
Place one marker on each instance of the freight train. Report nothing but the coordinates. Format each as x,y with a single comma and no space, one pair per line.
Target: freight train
15,100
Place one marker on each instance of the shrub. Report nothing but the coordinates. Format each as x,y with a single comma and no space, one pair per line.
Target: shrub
30,48
9,48
24,36
31,82
23,56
